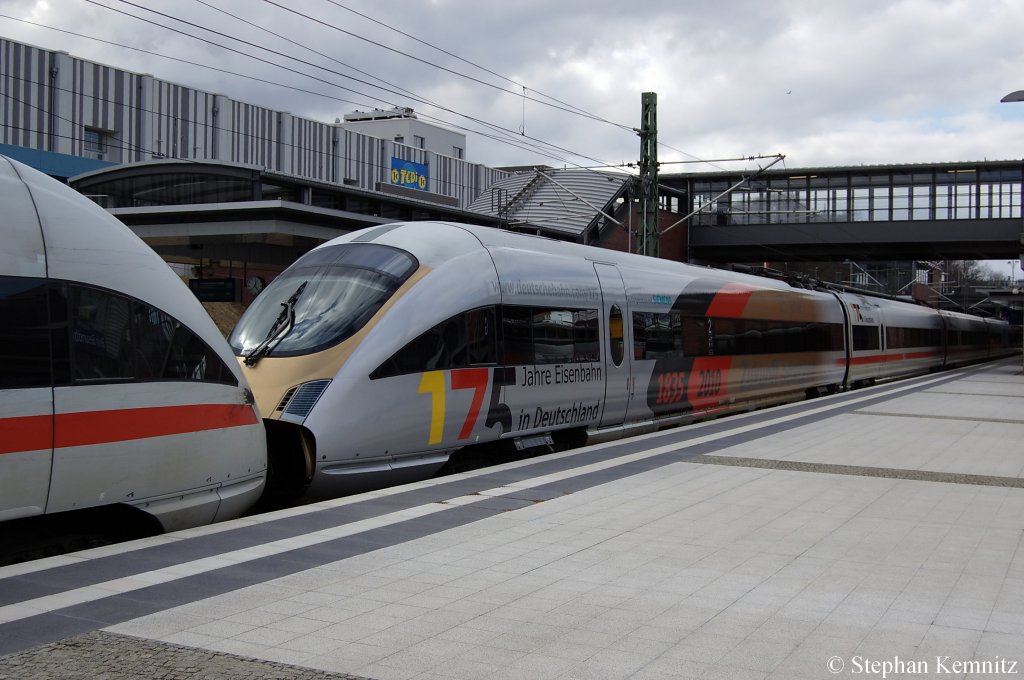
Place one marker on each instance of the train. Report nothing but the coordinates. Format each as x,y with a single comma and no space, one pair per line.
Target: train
377,356
120,400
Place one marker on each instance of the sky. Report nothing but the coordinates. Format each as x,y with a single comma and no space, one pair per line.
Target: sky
559,82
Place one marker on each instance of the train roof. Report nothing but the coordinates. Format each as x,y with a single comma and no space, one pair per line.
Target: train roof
435,242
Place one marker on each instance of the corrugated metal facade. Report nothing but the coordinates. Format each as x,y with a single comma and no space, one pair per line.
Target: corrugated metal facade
181,121
54,102
24,78
311,150
365,160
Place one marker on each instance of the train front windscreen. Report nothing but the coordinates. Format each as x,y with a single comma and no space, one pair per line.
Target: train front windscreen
322,299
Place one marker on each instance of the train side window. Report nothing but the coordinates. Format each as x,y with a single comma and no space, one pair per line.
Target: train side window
727,336
117,338
422,354
865,338
641,322
912,337
549,335
191,359
585,336
517,332
467,339
764,336
696,336
60,351
657,335
616,342
24,333
553,335
101,336
155,331
481,337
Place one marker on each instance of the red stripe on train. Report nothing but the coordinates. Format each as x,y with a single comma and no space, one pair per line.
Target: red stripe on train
885,358
32,433
730,301
25,433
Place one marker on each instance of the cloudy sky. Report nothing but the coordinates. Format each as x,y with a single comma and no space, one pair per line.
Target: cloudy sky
559,81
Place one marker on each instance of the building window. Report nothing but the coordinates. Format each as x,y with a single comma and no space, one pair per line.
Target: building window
399,139
458,152
95,142
418,142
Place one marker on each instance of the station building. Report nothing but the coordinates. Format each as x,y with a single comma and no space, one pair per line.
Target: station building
65,113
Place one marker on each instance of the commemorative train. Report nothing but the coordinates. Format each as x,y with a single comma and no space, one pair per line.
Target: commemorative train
119,397
377,355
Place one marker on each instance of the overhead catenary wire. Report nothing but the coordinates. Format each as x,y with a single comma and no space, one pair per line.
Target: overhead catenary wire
513,81
510,80
409,93
432,64
317,66
512,140
478,66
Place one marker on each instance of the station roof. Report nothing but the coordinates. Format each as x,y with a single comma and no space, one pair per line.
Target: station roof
233,211
563,202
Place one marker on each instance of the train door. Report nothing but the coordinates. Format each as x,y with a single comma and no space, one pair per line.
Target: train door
616,345
847,343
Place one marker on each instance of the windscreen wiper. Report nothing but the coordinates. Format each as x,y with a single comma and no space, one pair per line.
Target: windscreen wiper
282,326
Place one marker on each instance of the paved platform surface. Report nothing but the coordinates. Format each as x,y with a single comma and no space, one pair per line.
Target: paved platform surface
871,534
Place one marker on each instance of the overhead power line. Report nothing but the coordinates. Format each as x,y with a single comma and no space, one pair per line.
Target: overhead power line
522,146
432,64
478,66
522,142
512,133
518,84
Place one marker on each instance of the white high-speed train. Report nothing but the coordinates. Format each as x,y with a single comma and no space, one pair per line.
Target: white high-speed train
119,397
377,355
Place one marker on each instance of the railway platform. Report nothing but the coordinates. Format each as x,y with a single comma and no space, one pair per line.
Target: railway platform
875,533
